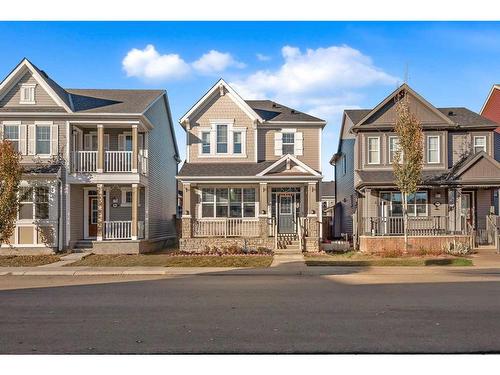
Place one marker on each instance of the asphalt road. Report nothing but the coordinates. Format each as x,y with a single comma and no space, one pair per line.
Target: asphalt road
247,314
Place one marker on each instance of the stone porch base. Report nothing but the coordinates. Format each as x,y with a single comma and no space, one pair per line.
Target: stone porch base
381,244
27,250
197,245
132,247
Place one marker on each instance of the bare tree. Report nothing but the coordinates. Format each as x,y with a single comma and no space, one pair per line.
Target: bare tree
408,158
10,177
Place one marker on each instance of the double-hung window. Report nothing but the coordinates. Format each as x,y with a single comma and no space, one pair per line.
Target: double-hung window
227,202
11,133
373,150
43,139
33,203
433,149
25,203
205,143
394,147
237,144
288,143
417,204
42,202
479,143
222,139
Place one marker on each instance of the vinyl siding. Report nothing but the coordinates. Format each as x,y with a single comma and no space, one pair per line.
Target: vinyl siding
162,186
344,188
220,108
483,203
125,213
12,98
311,147
76,214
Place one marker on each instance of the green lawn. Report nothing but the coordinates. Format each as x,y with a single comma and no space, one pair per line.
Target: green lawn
355,259
27,260
164,260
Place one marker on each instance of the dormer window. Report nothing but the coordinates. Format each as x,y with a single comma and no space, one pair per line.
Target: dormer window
479,143
27,93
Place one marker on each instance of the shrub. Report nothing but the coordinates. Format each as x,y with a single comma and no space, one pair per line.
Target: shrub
458,249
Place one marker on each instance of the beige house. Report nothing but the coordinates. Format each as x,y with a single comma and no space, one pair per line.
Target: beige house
458,195
251,175
99,165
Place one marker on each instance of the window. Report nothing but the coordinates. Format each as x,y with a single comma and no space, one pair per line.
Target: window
27,94
417,204
128,143
479,143
393,148
227,202
42,202
433,149
288,143
25,203
127,197
11,133
344,164
373,150
205,142
222,139
43,139
237,143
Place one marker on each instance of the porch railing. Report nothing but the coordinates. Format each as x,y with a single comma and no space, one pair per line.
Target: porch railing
85,161
122,230
395,226
118,161
226,227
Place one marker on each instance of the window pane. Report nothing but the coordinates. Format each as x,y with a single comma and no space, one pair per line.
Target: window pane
43,140
26,211
237,142
421,197
222,138
221,211
410,199
11,132
207,195
433,149
397,209
235,196
249,195
421,209
207,210
221,196
411,210
373,150
249,210
288,138
396,198
26,194
235,211
205,139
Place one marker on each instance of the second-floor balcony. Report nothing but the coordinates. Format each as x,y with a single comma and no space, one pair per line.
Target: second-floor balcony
114,161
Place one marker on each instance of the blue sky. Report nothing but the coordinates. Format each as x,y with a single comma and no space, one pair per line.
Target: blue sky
317,67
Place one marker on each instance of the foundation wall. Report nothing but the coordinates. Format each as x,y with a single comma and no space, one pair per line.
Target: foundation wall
396,243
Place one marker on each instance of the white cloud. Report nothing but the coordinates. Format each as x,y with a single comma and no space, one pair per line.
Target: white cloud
262,57
149,64
315,72
216,62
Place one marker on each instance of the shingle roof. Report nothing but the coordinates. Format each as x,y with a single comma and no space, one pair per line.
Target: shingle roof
223,169
387,177
112,101
459,115
272,111
41,168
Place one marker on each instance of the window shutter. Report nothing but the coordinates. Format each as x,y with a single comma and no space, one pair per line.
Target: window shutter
54,139
121,142
278,149
22,139
299,144
31,139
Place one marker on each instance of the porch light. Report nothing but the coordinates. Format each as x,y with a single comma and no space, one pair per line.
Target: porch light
263,211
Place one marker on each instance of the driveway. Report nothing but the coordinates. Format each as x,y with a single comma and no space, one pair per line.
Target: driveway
358,310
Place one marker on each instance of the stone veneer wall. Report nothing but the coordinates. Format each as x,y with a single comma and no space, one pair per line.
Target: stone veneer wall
395,243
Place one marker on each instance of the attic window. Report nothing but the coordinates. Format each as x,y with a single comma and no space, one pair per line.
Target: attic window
27,93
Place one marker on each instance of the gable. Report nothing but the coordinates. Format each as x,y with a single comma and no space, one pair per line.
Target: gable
13,95
484,168
289,165
387,113
491,108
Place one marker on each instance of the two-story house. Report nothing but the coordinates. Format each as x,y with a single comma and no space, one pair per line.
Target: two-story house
99,165
459,182
251,175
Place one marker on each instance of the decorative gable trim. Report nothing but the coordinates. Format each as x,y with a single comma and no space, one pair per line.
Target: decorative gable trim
408,89
492,90
480,155
220,88
12,79
287,159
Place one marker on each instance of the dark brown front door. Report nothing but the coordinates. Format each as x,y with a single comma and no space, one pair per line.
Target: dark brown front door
93,215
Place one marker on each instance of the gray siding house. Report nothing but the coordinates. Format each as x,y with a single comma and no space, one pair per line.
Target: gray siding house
459,183
252,173
99,165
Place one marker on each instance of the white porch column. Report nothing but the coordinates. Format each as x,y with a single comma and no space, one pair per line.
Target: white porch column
100,148
135,147
100,212
135,201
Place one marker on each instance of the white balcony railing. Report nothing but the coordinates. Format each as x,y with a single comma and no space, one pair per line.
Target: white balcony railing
122,230
226,227
118,161
85,161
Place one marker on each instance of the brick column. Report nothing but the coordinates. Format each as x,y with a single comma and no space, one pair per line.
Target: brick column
135,204
100,148
135,147
100,212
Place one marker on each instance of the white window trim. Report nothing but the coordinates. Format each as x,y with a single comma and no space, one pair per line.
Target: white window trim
438,149
368,151
12,123
33,203
22,99
483,146
200,137
43,124
230,140
214,203
389,158
124,202
287,131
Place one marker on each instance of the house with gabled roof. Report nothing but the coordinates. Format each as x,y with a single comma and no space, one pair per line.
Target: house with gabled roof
99,165
251,175
458,193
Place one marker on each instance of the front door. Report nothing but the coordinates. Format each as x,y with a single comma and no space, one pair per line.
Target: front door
286,213
93,215
467,209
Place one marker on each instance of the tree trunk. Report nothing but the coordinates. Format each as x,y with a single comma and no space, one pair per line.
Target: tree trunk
405,222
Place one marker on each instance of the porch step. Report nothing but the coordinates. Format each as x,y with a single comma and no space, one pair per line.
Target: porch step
82,246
